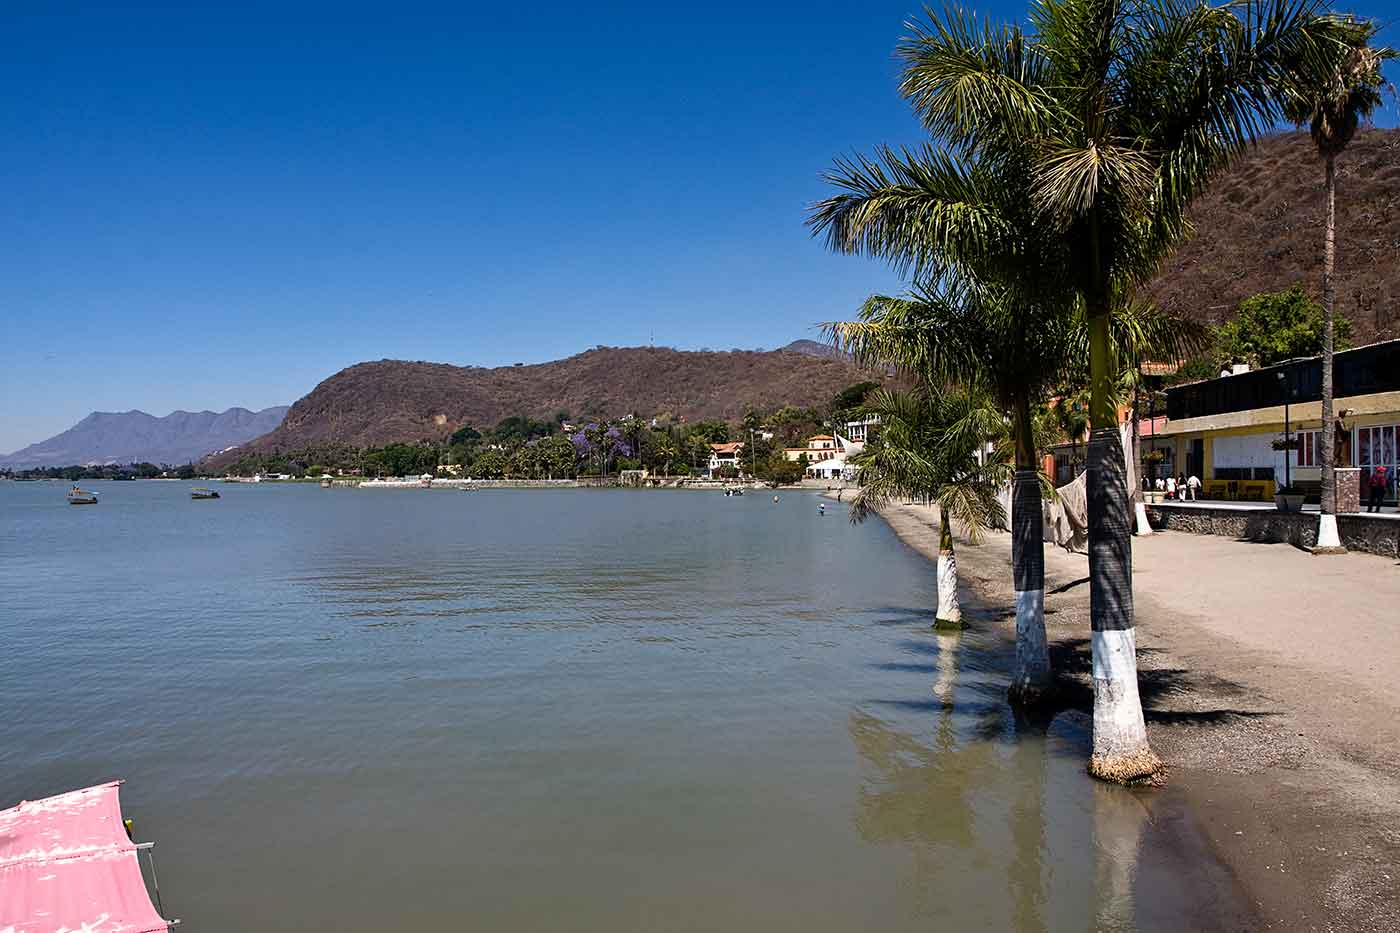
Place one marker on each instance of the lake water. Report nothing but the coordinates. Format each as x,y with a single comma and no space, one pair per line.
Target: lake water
542,710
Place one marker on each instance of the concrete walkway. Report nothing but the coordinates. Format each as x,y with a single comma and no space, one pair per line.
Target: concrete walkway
1386,510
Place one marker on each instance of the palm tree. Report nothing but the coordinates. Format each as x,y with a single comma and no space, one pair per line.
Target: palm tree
1120,114
928,448
1071,412
1333,104
1017,352
977,335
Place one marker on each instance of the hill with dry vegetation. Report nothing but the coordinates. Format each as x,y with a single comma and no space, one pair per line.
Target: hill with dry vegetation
1260,229
370,404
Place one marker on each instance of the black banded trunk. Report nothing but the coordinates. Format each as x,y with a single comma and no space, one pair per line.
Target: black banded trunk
1030,682
1121,752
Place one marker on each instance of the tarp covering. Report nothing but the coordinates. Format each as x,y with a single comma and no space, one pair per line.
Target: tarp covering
1066,520
66,864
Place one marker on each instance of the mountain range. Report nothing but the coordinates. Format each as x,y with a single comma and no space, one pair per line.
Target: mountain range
375,403
134,436
1259,228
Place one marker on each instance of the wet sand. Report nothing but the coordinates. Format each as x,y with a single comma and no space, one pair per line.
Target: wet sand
1269,684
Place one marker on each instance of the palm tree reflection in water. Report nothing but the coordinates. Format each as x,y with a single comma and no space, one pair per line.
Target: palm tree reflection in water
971,796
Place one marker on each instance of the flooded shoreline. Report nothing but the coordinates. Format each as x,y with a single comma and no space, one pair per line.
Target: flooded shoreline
571,711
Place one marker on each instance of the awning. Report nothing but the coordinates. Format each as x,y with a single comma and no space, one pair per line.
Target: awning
66,864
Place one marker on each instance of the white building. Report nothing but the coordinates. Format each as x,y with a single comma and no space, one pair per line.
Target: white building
725,455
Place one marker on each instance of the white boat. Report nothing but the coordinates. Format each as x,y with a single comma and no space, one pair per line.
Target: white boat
78,496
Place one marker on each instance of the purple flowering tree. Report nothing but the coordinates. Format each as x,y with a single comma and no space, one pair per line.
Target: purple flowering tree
600,444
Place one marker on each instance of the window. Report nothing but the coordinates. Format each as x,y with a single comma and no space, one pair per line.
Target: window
1309,451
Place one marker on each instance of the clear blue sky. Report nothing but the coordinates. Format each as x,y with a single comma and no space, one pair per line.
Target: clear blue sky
211,207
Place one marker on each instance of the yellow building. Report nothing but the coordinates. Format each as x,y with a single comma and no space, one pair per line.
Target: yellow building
1231,431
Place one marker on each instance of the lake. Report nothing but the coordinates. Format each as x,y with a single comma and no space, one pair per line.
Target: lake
592,710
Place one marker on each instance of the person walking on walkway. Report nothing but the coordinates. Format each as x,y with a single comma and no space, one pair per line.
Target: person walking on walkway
1193,487
1378,484
1171,486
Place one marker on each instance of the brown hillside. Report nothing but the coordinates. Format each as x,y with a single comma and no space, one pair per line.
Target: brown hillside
391,400
1260,228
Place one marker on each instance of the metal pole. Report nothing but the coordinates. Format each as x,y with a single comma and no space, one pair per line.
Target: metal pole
155,882
1287,473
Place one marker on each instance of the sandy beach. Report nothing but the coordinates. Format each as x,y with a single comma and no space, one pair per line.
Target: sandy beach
1269,685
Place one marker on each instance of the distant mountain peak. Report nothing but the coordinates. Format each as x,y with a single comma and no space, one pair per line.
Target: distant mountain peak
135,436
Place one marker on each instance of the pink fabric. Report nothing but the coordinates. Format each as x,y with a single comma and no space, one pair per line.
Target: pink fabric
66,864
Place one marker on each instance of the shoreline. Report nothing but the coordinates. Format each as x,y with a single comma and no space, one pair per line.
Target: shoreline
1289,787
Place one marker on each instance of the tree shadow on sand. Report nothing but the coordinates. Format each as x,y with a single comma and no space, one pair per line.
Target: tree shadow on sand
1164,690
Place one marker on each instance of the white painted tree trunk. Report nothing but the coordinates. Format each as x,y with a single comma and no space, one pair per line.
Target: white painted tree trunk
946,667
949,612
1121,752
1144,527
1329,541
1030,681
1032,650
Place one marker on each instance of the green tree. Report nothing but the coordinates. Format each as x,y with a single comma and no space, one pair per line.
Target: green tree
713,432
490,464
1013,350
849,399
464,435
558,457
777,470
1271,327
928,448
1332,101
669,452
1071,414
1118,115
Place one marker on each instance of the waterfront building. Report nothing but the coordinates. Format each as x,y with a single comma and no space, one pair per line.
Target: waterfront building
827,456
1228,430
862,430
819,447
725,455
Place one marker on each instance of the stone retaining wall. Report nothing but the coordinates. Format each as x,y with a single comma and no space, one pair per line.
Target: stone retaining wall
1371,534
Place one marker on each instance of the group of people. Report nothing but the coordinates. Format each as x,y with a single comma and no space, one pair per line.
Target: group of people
1180,487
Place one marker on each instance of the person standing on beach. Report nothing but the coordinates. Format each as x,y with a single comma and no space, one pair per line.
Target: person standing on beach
1378,484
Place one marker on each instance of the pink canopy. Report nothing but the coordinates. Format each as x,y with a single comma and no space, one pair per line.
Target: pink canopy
66,864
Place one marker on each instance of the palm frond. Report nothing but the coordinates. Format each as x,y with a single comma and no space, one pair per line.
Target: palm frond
916,209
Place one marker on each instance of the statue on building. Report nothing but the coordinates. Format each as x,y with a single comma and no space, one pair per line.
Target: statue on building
1341,443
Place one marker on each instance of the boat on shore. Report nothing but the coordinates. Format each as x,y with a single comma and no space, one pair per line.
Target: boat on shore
77,496
200,492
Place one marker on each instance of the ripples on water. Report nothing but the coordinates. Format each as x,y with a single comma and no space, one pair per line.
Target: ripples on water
565,710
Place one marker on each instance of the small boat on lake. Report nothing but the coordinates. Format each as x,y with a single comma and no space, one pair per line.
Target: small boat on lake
199,492
326,483
78,496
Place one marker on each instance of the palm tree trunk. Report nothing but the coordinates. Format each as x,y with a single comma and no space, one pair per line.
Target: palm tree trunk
1120,752
1328,541
1139,507
946,667
949,614
1030,682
